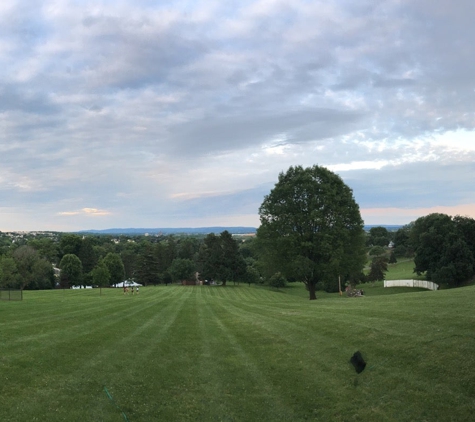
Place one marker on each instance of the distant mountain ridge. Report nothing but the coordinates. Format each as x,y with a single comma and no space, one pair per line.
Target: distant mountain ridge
203,230
388,227
168,230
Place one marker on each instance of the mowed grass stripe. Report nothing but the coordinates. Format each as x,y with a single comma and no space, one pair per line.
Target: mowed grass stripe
237,353
90,317
290,365
250,392
109,341
390,341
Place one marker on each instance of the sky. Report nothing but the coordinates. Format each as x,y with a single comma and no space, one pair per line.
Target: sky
119,114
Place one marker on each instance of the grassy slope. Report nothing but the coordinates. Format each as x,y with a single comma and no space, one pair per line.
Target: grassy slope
237,354
402,270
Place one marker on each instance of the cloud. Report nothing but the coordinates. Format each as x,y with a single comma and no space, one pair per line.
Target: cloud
164,114
93,212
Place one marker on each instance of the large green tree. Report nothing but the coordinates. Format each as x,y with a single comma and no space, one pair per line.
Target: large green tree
35,272
9,275
114,264
443,248
378,268
188,248
182,269
402,246
87,254
129,257
379,236
311,228
220,258
147,269
71,271
70,244
46,247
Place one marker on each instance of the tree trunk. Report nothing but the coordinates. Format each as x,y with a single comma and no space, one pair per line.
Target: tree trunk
311,290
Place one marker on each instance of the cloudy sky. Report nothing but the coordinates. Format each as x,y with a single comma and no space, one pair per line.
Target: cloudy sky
118,113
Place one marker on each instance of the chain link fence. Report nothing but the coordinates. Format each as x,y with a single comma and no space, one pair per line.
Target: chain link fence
11,294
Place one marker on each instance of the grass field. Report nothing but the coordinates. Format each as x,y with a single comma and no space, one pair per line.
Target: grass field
239,353
403,270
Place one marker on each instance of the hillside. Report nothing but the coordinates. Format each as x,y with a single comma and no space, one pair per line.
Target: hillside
239,353
169,230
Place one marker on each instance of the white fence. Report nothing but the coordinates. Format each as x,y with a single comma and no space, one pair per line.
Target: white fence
424,284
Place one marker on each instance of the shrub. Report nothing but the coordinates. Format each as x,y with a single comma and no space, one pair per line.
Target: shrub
377,251
277,280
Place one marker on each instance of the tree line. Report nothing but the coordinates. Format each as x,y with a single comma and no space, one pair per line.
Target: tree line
103,260
311,231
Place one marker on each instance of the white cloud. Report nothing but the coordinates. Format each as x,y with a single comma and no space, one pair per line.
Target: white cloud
461,140
93,212
154,111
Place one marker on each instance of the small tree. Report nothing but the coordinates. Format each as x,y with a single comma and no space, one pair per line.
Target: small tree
101,276
251,276
377,251
71,270
220,258
114,264
9,275
379,266
379,236
277,280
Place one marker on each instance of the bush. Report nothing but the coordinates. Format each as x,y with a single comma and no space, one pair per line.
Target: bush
277,280
377,251
392,258
251,275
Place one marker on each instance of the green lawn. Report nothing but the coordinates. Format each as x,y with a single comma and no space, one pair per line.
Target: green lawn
239,353
403,270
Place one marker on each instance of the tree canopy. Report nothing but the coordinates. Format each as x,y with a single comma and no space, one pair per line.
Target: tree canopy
101,276
113,262
220,258
71,270
182,269
34,272
379,266
311,228
379,236
444,248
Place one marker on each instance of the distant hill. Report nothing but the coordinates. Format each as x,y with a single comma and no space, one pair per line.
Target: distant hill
389,227
165,231
203,230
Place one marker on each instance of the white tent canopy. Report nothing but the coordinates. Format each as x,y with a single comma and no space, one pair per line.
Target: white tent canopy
127,283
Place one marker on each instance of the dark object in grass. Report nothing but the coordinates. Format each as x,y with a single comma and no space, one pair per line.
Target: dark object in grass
358,362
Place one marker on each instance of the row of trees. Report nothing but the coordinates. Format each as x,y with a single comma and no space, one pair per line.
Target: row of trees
443,249
101,260
311,231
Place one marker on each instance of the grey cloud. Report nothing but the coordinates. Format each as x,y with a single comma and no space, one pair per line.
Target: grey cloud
413,185
128,54
224,133
93,99
246,201
17,99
